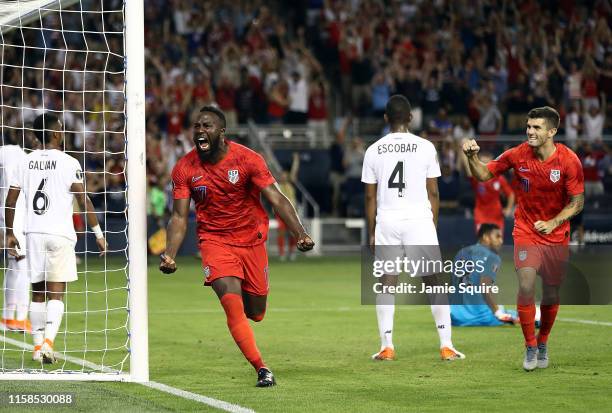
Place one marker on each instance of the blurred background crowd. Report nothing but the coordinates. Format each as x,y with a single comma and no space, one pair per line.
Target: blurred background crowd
469,68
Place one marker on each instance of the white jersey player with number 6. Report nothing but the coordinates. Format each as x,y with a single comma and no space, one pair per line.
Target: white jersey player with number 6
16,287
400,173
49,180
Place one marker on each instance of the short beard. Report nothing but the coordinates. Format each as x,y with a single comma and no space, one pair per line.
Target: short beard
211,154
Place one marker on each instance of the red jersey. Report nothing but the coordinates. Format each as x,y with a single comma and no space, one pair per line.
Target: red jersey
226,194
488,203
544,189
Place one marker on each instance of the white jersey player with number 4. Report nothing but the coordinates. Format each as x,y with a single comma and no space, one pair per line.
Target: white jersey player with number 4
400,173
49,180
399,164
16,285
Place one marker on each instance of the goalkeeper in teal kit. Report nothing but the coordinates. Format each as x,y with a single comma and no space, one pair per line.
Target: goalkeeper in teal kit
480,309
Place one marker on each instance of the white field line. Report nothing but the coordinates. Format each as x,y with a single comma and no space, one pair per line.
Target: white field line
579,321
209,401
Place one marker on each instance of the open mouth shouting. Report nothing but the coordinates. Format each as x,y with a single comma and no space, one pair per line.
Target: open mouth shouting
203,143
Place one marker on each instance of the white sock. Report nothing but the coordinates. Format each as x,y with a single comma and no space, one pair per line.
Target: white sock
385,310
22,291
441,315
10,299
38,316
55,312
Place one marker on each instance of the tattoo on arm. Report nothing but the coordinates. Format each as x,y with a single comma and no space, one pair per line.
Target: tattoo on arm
573,208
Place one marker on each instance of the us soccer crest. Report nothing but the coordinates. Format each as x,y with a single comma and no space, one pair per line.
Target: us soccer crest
233,175
522,255
555,175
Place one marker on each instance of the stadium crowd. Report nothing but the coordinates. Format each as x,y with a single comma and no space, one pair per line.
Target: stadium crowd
468,68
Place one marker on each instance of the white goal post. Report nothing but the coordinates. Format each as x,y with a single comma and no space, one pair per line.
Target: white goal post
104,334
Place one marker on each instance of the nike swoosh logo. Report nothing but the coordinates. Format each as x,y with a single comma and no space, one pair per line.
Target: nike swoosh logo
196,178
521,169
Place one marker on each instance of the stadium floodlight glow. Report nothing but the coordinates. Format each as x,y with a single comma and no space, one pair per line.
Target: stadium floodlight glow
84,62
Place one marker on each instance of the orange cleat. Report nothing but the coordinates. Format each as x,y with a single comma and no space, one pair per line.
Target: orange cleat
386,354
449,353
23,326
5,324
48,356
37,355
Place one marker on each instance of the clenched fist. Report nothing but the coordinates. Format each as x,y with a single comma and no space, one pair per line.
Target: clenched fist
470,148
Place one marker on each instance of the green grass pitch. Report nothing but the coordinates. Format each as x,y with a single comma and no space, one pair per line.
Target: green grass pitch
318,339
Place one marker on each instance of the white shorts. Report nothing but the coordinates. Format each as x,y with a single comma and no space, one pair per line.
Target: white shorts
414,240
51,258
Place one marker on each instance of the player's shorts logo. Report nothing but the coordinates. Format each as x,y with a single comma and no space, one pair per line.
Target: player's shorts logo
233,175
555,175
207,271
522,255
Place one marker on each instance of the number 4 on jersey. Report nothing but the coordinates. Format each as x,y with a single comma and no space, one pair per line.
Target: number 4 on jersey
396,180
40,203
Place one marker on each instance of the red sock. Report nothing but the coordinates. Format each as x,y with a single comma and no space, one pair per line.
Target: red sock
527,316
549,313
240,329
280,239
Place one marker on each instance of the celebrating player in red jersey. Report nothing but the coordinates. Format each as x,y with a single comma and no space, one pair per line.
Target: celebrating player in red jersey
551,192
225,180
488,208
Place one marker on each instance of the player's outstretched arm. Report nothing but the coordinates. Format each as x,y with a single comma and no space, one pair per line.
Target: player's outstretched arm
282,206
573,208
86,205
9,212
177,227
478,169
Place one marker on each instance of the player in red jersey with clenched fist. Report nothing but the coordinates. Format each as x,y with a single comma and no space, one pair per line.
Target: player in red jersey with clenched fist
551,192
225,180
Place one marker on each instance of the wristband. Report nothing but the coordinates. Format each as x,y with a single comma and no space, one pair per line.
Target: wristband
97,232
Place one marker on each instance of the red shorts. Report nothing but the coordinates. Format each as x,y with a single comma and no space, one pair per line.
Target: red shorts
249,263
549,261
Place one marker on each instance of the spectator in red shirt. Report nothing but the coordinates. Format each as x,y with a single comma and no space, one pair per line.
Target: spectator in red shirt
590,157
317,112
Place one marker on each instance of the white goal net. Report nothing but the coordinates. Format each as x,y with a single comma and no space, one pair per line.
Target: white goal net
70,58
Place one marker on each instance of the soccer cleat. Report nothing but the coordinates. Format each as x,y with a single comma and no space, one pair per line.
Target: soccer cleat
265,378
386,354
37,355
48,357
542,356
530,362
5,324
23,326
449,354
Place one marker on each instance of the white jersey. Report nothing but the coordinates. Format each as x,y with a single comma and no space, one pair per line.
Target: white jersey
11,157
45,178
400,163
